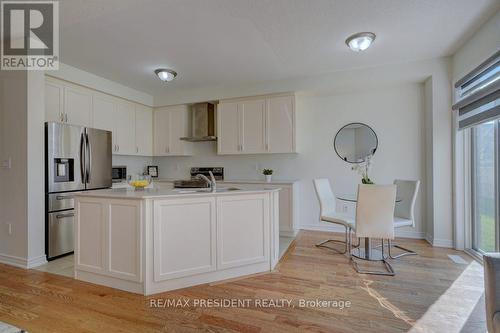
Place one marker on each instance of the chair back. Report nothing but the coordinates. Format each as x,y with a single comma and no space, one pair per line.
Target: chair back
375,211
491,264
407,190
327,202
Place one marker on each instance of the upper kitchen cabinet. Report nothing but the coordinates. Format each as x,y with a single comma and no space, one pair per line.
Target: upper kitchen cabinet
54,101
257,125
170,124
280,121
125,128
67,103
77,105
143,130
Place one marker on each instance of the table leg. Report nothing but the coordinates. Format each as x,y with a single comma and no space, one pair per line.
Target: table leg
368,248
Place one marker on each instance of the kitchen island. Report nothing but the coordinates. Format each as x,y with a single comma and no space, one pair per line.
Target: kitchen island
157,239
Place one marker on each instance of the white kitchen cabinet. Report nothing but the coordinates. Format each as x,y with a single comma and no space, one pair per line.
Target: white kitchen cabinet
170,124
256,125
253,135
114,228
104,117
143,130
243,230
280,121
54,101
228,128
288,202
77,106
187,227
125,128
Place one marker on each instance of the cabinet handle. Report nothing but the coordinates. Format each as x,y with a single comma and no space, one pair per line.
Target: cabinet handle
66,117
61,117
136,149
117,147
267,146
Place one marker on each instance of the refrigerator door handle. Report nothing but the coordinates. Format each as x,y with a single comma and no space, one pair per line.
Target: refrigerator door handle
82,158
88,157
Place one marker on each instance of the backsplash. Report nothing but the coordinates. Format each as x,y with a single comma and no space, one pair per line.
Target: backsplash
134,164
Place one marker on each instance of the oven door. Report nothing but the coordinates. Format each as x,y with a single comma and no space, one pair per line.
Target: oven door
60,233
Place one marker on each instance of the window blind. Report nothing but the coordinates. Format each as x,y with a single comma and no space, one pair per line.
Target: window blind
478,94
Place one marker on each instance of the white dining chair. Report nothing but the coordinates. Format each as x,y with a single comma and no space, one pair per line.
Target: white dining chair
404,212
328,213
374,219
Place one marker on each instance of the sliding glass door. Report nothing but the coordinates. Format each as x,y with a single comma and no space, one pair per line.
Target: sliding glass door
485,187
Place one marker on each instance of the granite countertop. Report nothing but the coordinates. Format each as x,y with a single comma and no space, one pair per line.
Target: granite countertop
157,193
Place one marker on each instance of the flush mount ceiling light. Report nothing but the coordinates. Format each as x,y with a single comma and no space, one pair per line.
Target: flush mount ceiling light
165,75
360,41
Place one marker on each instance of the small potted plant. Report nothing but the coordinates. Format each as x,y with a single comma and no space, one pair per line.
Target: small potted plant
268,173
363,169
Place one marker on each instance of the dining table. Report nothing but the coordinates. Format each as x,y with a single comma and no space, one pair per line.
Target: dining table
367,252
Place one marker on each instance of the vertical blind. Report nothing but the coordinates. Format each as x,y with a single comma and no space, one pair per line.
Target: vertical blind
477,94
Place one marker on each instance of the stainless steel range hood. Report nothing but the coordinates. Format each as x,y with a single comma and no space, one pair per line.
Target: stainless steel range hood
203,126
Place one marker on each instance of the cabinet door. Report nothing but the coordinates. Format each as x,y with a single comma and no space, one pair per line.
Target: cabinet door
228,128
53,101
187,227
104,112
124,239
177,130
161,138
253,117
125,128
242,230
78,106
280,125
144,130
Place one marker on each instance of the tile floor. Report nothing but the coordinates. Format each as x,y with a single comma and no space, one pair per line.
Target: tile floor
62,266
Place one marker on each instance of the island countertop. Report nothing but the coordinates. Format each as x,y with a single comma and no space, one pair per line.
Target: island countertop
158,193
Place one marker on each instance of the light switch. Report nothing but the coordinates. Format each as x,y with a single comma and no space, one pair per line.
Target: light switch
7,163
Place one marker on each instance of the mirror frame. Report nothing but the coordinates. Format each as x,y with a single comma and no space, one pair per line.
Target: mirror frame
354,123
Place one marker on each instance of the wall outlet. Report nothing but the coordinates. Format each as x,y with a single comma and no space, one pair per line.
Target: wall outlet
6,163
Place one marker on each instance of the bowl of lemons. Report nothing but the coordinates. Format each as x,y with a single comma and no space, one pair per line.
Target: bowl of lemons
139,182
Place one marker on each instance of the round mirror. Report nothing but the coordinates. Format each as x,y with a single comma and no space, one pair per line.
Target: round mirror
355,141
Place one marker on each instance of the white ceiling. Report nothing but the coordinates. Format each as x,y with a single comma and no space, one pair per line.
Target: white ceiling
227,42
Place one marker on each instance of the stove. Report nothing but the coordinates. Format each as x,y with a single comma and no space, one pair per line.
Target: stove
194,182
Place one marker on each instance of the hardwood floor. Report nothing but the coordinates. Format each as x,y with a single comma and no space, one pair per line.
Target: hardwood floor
430,293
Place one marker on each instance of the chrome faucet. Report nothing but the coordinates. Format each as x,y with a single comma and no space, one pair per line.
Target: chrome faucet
211,182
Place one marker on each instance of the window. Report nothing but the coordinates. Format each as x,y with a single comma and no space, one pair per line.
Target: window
485,197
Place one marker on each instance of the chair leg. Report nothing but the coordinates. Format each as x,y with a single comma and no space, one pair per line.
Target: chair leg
345,242
388,272
406,252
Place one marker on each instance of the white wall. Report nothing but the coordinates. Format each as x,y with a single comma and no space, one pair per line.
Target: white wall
13,145
484,43
396,114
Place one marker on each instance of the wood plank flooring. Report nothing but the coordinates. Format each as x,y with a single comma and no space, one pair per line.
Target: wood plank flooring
430,293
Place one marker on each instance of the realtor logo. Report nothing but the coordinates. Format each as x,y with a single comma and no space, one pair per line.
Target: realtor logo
30,35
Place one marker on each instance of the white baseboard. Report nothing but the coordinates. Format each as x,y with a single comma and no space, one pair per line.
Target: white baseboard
13,260
439,242
37,261
288,233
338,228
22,262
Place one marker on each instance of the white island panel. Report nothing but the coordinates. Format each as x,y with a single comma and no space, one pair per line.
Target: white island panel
184,237
243,227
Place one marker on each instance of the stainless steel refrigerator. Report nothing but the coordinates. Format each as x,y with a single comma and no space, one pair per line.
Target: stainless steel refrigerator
77,159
